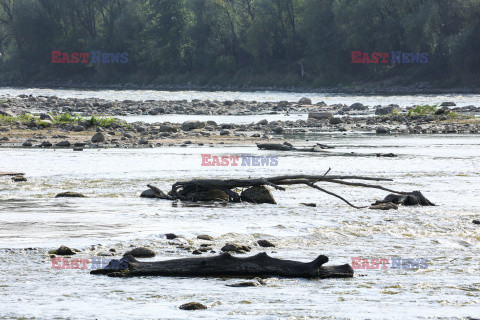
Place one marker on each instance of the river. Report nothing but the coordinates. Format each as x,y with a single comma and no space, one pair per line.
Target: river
444,167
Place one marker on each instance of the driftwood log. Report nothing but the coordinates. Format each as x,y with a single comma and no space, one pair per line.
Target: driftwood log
2,174
226,265
319,148
216,189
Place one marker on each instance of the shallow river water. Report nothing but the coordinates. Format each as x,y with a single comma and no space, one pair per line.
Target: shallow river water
445,168
263,96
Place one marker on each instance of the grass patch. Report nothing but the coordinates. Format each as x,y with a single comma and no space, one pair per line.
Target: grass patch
23,119
63,118
66,118
429,110
422,110
104,122
93,121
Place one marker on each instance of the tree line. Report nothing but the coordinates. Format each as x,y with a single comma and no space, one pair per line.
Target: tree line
256,42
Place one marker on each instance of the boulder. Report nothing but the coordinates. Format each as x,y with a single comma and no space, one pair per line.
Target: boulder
191,125
320,115
192,306
233,247
278,130
205,237
265,244
336,121
225,132
65,144
140,252
257,194
381,111
165,128
98,137
305,101
358,106
383,130
442,110
63,251
19,179
148,194
46,144
70,194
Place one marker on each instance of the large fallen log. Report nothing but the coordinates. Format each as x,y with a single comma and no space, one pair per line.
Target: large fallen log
223,190
226,265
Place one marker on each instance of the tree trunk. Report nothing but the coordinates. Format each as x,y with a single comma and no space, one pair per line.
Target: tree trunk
225,265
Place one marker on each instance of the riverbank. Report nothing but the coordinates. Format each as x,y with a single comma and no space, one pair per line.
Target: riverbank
43,121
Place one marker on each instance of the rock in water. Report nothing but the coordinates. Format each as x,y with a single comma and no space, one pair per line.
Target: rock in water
336,120
305,101
192,306
171,236
191,125
140,252
257,194
320,115
308,204
383,130
98,137
148,194
232,247
205,237
70,194
19,179
385,110
64,251
265,244
63,144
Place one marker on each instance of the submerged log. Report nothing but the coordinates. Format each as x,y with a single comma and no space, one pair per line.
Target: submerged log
3,173
225,265
318,148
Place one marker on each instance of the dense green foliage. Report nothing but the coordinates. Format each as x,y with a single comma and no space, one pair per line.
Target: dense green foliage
255,42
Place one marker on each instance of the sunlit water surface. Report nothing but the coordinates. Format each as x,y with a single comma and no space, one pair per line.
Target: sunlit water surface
444,168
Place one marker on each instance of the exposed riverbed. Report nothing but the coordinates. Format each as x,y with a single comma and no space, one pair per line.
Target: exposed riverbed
444,167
